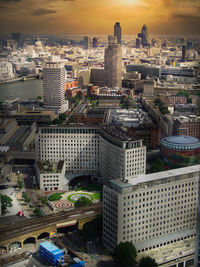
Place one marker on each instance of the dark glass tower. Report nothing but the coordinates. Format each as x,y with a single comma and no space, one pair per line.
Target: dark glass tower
118,32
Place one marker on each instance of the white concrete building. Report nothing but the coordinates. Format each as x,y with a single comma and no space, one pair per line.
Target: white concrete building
54,87
120,155
151,210
51,176
108,152
6,71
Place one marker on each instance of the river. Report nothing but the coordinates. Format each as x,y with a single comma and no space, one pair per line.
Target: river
21,89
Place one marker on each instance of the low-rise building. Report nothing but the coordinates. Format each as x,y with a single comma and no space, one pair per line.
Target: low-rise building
51,176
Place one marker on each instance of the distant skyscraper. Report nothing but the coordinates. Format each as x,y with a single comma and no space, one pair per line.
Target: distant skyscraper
54,86
95,42
118,32
144,36
18,38
183,53
86,42
113,63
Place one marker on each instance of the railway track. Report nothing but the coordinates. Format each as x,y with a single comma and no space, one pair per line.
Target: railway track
29,225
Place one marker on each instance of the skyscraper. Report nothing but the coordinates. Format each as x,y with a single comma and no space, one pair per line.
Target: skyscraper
54,86
144,36
118,32
18,38
113,63
183,58
86,42
95,42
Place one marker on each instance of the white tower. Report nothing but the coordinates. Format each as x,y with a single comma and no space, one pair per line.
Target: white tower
54,86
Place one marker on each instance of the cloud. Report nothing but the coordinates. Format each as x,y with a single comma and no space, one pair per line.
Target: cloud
10,1
42,11
186,17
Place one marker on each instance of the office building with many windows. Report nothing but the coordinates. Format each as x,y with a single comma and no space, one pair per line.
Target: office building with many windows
107,152
151,210
54,87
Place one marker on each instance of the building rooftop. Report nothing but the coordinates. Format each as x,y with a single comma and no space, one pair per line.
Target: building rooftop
181,139
50,247
118,133
145,178
47,167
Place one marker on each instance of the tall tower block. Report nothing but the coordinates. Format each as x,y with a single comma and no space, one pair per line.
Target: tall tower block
113,63
118,32
54,86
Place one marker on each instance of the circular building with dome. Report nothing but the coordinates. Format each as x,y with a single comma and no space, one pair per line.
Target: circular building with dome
180,151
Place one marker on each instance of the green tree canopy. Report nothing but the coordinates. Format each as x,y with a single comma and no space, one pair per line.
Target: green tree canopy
183,93
89,232
62,116
148,262
157,165
158,102
37,212
82,202
6,201
19,183
125,254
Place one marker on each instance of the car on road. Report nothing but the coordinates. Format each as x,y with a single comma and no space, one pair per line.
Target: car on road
21,213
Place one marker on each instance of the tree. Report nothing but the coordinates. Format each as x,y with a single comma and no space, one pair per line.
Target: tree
39,97
82,202
19,183
148,261
44,200
125,254
164,110
37,212
6,201
25,197
62,116
158,102
89,232
157,165
183,93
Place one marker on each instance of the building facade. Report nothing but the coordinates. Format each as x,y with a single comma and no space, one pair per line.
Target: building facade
180,151
118,32
187,125
54,87
92,150
113,64
151,210
120,155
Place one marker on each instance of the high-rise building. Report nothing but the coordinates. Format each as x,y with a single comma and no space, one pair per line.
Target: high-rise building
86,42
95,42
18,38
113,63
183,53
118,32
144,36
152,211
54,86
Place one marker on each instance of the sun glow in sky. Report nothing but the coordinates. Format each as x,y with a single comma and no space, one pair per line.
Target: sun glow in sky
99,16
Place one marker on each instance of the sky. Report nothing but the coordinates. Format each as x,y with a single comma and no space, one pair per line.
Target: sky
179,17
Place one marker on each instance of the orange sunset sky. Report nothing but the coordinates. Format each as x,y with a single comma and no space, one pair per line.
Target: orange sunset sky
98,16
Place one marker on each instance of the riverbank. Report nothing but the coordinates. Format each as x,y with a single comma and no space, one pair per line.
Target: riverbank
23,78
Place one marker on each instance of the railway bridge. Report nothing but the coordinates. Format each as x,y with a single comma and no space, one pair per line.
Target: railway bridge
17,234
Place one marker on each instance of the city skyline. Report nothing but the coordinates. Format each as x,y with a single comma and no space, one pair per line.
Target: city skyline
82,17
